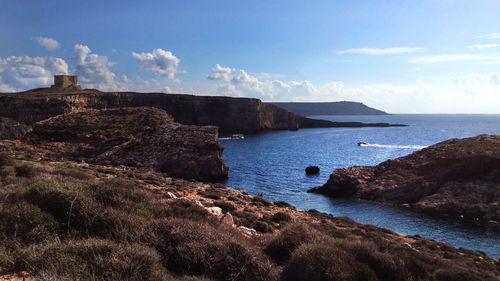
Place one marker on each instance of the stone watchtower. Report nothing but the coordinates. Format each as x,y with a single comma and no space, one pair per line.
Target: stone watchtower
69,82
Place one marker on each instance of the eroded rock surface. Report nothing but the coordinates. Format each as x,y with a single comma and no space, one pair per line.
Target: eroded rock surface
457,177
145,138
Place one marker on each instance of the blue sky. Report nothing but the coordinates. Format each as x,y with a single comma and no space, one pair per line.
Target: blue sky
439,56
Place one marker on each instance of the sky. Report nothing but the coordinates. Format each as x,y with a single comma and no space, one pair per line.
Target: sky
400,56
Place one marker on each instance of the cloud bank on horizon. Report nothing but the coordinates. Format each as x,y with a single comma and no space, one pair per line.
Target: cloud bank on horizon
423,64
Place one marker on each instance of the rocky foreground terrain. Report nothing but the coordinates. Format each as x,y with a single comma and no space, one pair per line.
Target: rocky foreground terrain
457,177
231,115
62,218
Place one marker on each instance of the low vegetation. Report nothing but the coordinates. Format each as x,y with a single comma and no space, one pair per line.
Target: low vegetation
63,221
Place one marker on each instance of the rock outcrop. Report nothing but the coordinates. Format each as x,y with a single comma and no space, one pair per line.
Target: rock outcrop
231,115
312,170
457,177
144,138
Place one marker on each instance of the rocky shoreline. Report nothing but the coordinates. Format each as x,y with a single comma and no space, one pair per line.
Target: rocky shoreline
458,178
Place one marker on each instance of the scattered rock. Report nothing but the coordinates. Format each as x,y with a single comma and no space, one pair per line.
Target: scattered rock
312,170
171,195
228,219
197,202
216,211
249,232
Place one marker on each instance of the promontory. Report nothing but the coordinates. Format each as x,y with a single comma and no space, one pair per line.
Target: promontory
458,178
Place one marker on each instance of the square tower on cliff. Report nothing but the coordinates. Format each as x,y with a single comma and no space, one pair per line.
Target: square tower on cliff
66,82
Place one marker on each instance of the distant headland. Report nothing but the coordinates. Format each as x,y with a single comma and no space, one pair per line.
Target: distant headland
329,108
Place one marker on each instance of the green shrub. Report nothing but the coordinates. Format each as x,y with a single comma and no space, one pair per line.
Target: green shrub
290,238
123,195
390,266
90,259
25,171
225,206
281,217
245,218
262,227
188,210
260,200
325,262
5,160
24,223
196,248
450,275
282,204
6,261
71,208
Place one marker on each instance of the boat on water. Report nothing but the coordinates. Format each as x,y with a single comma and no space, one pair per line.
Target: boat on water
237,136
361,143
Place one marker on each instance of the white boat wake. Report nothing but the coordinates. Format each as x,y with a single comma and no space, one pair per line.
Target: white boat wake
392,146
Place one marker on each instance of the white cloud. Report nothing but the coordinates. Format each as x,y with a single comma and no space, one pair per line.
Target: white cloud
455,58
48,43
483,46
494,35
493,78
23,73
162,62
459,96
94,70
382,51
237,82
220,73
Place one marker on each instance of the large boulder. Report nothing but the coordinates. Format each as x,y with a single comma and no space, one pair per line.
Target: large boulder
141,137
457,177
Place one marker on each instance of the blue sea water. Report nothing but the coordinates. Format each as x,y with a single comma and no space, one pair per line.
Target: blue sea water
273,163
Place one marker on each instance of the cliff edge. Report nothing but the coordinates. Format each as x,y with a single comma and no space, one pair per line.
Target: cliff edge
457,177
231,115
144,138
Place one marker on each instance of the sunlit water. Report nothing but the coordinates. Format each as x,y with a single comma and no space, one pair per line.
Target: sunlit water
273,163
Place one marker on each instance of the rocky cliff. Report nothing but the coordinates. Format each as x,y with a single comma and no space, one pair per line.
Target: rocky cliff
457,177
231,115
141,137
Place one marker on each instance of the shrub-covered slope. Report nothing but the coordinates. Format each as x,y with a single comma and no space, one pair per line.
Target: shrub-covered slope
75,221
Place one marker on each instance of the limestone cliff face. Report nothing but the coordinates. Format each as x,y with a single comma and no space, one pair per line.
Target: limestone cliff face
231,115
457,177
144,138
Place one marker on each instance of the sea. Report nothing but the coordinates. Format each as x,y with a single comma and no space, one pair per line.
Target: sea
273,163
